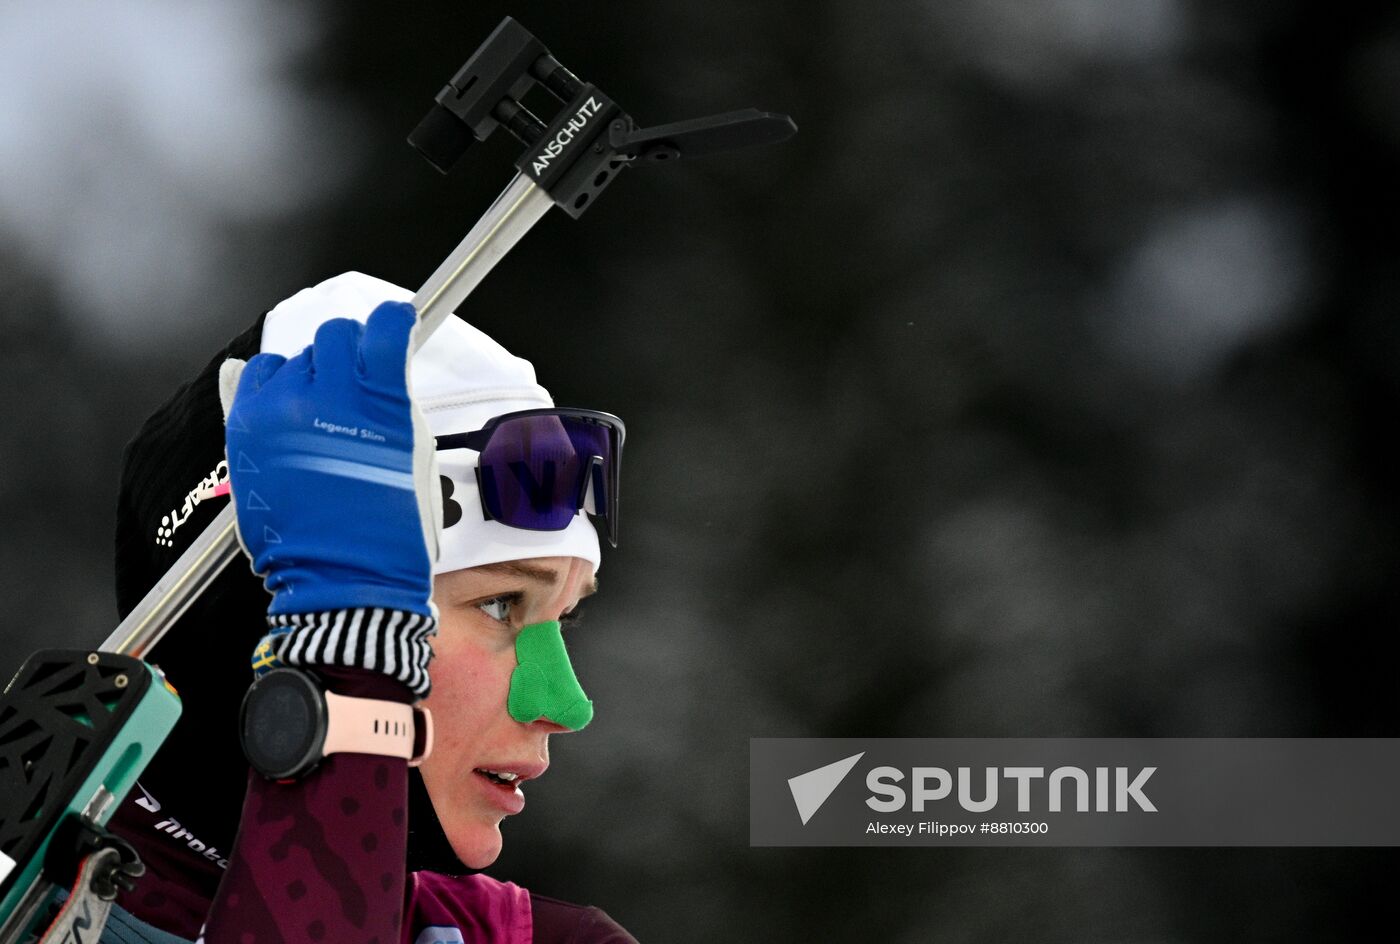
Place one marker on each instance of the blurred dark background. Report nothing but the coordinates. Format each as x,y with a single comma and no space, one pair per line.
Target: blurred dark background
1038,387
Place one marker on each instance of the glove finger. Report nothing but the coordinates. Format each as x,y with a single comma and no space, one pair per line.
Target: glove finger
258,371
425,483
387,342
335,355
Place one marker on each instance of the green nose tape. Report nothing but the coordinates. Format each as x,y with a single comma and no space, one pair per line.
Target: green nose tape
543,684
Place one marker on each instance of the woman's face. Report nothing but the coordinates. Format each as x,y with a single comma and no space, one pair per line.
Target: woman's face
481,611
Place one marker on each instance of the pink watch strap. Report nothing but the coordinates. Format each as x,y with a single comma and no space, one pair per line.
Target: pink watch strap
372,726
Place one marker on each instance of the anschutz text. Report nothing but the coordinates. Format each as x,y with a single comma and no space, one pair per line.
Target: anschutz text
566,134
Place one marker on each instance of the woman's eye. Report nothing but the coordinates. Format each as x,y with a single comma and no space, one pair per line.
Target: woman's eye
498,608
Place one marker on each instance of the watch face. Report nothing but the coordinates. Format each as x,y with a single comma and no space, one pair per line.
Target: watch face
283,724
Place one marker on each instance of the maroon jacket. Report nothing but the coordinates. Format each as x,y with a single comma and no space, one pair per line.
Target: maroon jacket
183,877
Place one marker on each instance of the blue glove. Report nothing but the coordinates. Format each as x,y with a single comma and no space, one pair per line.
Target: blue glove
331,467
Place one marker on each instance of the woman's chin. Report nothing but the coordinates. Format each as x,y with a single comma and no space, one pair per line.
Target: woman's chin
476,844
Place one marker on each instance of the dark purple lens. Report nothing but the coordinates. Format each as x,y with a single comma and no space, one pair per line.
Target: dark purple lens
535,470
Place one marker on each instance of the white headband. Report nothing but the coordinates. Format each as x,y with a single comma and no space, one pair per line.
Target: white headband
460,378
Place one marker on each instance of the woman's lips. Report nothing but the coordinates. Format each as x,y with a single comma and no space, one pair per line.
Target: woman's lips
508,796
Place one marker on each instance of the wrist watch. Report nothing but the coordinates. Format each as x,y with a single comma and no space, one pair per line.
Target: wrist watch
289,722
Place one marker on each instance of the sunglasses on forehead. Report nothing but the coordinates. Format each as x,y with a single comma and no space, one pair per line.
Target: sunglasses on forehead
536,469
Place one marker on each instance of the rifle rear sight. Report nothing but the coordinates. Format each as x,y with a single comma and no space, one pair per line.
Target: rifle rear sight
587,143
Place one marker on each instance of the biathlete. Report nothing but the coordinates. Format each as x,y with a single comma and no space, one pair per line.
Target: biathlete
419,533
